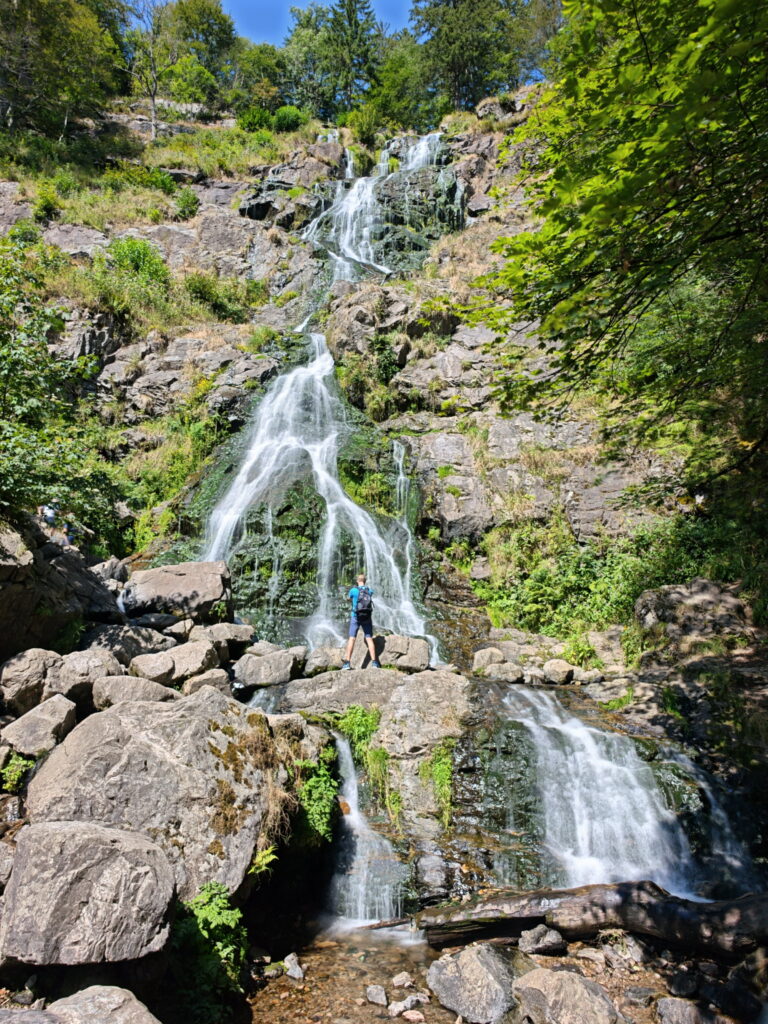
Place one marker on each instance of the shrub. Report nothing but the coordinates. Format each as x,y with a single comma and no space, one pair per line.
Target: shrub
46,205
137,258
126,174
288,119
364,124
187,204
65,183
227,298
254,118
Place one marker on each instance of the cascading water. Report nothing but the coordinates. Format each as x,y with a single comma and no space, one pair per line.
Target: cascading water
300,425
603,813
369,879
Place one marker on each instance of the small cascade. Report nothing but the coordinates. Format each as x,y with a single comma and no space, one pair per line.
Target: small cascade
423,153
369,879
346,229
603,815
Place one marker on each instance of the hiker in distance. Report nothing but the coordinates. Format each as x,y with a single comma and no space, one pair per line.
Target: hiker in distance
361,618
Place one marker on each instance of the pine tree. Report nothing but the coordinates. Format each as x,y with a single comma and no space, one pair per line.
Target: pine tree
354,40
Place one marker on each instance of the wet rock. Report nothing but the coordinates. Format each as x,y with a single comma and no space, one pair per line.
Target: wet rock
127,642
80,893
534,676
100,1003
252,671
542,940
111,569
199,590
545,997
40,729
23,677
293,968
187,773
402,980
477,982
407,1005
375,994
113,689
431,877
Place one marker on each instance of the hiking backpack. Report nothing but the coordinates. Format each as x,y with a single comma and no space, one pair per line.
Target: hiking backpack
364,601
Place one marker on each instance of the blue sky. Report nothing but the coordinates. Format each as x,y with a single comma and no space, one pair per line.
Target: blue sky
266,22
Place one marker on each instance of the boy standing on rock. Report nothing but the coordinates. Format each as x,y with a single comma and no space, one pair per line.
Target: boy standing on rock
361,618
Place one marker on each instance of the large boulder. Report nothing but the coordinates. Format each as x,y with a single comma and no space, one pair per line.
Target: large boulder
173,667
40,729
198,775
99,1004
78,672
477,982
128,642
253,671
561,997
23,678
229,638
44,589
200,590
114,689
80,893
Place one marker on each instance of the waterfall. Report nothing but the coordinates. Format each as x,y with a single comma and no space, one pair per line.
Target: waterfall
423,153
299,427
347,227
369,879
603,814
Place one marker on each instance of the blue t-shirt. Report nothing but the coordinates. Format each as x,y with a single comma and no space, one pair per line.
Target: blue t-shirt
354,594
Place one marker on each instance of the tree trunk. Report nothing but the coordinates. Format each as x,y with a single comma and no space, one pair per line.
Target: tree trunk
725,928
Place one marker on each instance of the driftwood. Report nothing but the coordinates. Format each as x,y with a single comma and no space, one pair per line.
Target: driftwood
725,928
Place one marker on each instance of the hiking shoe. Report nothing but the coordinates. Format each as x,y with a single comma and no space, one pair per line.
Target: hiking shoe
345,665
376,663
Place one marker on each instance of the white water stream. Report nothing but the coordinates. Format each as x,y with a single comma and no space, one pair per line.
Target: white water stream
368,882
300,425
604,815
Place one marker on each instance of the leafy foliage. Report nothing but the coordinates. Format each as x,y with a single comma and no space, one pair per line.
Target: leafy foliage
208,948
647,274
15,772
358,724
317,788
438,769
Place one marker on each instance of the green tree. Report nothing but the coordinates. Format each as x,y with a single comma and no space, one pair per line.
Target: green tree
256,76
404,94
647,276
153,47
56,64
308,79
354,45
205,31
189,82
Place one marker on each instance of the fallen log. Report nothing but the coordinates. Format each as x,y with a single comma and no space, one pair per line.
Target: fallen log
726,928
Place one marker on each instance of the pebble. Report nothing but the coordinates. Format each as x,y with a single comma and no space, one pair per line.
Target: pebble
414,1016
402,980
376,994
293,968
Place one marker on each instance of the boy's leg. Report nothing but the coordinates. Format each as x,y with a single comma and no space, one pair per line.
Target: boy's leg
353,628
371,648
